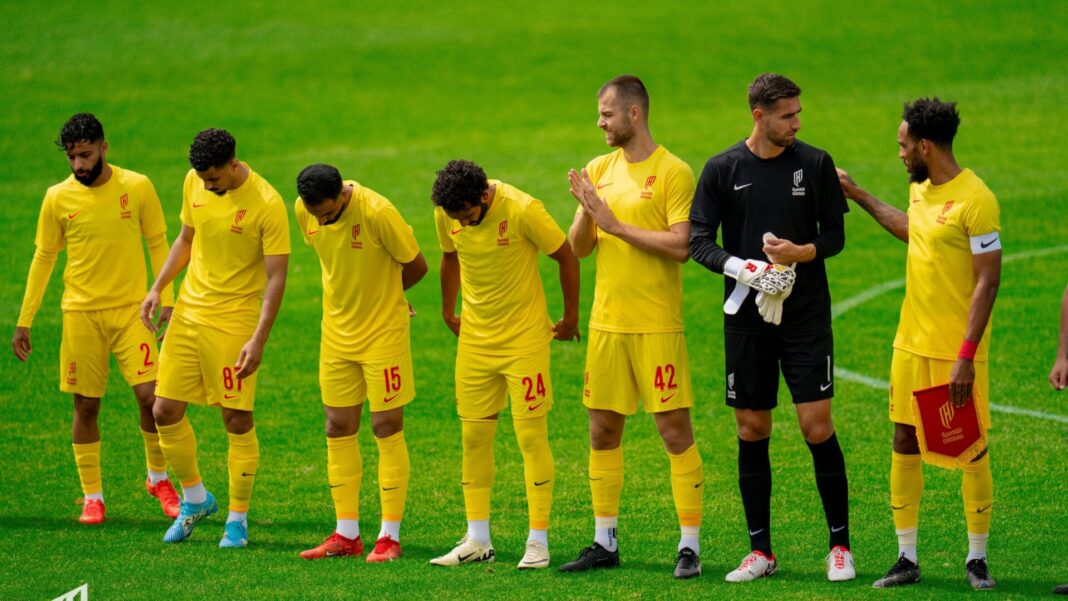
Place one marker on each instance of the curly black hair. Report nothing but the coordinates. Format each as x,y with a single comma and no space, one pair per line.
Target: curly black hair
931,119
317,183
83,127
459,186
211,148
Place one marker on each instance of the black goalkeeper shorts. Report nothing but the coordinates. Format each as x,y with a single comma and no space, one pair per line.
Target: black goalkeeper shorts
754,361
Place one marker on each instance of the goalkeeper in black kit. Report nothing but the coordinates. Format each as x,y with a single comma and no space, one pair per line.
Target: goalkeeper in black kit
780,206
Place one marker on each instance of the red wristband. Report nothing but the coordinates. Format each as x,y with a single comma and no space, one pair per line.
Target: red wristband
967,349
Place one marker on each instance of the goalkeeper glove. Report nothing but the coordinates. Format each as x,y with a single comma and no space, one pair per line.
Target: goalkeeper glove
764,277
770,305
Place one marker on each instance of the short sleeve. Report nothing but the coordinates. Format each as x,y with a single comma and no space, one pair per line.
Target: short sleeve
538,226
679,190
152,222
441,223
50,236
275,234
396,235
188,188
982,215
302,220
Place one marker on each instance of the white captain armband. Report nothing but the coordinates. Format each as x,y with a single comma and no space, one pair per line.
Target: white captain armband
986,243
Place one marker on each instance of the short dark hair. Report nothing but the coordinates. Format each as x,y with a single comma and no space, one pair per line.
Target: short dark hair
768,88
212,148
931,119
82,127
317,183
629,90
459,186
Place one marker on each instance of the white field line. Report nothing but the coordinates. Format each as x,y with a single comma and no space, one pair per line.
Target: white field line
859,299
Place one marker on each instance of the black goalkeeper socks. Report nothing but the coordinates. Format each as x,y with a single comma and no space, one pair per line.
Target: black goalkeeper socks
829,464
754,481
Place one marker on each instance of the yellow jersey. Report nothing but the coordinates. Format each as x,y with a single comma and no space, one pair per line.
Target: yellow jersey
102,229
637,292
223,286
947,225
503,303
365,313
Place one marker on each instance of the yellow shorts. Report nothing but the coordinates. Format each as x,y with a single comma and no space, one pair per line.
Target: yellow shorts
388,383
621,368
483,383
909,372
89,337
197,366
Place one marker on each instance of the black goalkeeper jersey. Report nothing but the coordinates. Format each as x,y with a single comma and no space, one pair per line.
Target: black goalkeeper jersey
795,196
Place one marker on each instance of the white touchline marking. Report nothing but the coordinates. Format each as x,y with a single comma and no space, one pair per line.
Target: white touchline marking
859,299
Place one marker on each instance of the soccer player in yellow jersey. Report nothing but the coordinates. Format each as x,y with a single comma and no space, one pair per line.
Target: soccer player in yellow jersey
490,234
100,214
235,240
634,207
369,257
951,280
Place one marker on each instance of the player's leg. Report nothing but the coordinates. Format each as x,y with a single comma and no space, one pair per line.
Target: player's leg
752,390
181,377
242,462
481,393
390,386
663,366
807,363
908,372
610,394
135,351
531,390
83,373
344,465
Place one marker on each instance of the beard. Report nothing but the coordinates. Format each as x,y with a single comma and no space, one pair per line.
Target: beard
621,137
88,179
782,141
918,172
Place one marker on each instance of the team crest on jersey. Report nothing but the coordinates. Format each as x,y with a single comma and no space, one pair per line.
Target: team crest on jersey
124,201
356,242
647,193
502,229
72,373
945,212
238,218
798,189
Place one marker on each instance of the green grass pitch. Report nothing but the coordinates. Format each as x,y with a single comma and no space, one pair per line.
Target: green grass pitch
389,92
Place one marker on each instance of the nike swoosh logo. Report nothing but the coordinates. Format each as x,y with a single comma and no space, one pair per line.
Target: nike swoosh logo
534,407
246,474
752,533
385,489
982,509
142,372
463,558
390,398
197,206
334,553
337,485
231,396
71,216
664,400
540,483
454,232
838,529
313,233
742,187
824,387
986,244
464,483
896,508
599,186
595,479
698,485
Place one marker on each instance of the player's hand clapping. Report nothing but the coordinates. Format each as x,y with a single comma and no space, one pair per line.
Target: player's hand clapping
586,193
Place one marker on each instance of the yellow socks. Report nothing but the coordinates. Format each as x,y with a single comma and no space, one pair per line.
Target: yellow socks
393,473
87,458
906,488
344,470
687,485
154,458
606,481
538,472
242,459
477,478
977,488
179,445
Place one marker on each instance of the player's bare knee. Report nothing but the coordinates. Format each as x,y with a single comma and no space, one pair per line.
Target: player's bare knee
386,428
817,432
86,408
237,422
905,441
753,425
